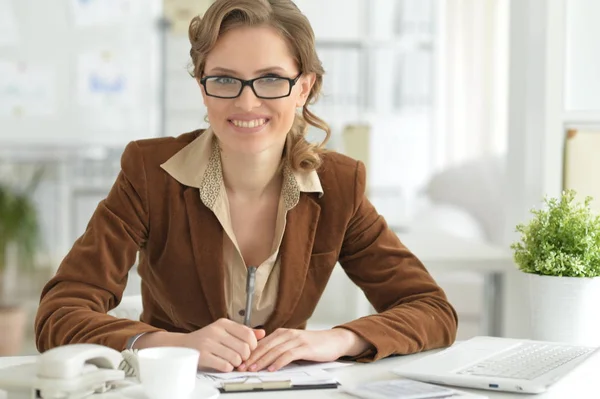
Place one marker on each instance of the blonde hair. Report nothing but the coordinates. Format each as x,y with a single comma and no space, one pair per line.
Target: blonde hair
285,17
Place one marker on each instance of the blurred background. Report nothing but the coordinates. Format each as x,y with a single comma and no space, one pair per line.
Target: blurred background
466,113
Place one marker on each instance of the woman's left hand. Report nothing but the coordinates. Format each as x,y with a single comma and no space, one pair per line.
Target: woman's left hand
287,345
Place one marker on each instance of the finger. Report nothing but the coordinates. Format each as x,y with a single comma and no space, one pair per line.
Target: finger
226,354
264,345
270,357
287,357
240,347
269,344
259,333
246,351
210,361
242,332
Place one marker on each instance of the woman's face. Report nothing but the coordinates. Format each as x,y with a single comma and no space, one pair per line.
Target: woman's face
248,124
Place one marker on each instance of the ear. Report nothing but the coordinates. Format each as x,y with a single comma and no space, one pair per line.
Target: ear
307,81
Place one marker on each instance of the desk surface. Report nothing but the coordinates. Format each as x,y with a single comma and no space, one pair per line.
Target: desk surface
581,383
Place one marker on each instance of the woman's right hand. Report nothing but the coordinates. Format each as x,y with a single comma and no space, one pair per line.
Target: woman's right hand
223,345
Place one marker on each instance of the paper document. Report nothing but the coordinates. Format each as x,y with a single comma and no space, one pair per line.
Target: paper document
297,374
105,79
307,377
26,90
299,367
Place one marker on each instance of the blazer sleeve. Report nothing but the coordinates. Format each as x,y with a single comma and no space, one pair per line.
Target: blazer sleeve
92,277
413,311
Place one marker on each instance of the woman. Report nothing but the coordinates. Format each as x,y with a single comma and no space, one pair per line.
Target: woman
206,207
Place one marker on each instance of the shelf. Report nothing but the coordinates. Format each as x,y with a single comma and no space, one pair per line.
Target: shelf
581,118
408,43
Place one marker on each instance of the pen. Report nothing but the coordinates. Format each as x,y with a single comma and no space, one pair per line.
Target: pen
250,277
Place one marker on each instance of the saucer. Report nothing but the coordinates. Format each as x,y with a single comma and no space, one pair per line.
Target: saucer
201,391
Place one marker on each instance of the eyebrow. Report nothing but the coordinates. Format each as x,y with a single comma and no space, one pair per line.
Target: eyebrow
263,70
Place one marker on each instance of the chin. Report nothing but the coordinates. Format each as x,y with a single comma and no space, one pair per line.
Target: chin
251,143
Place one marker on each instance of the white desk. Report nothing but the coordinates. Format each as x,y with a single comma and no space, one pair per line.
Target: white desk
581,383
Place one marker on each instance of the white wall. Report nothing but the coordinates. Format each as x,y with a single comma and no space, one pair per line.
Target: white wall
582,80
321,14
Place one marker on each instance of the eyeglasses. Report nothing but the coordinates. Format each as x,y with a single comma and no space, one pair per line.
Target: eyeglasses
266,87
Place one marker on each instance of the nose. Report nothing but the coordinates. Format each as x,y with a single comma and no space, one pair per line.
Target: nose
247,100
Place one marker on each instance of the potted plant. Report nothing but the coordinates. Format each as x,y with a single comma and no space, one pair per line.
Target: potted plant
559,249
19,234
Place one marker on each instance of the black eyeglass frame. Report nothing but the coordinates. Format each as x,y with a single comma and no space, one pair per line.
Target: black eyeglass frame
250,83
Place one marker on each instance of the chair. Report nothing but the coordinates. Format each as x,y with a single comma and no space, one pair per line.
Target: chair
468,198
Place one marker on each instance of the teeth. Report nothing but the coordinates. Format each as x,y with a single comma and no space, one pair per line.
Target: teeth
249,124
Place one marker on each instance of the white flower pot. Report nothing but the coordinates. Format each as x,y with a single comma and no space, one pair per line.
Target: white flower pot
565,309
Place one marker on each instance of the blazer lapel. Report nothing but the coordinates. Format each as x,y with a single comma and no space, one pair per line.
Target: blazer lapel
296,248
207,246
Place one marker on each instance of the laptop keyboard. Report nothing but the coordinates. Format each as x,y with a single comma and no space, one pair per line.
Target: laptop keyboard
527,361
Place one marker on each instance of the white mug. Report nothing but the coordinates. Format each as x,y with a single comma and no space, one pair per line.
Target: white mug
168,372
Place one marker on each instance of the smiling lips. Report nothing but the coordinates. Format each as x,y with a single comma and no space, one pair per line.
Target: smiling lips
249,124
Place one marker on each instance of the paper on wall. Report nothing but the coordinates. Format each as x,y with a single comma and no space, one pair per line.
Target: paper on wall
106,80
26,90
88,13
9,34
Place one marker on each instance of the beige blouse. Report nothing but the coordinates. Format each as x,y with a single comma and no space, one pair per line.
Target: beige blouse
208,178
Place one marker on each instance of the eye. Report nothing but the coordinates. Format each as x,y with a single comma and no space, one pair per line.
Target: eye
270,79
224,80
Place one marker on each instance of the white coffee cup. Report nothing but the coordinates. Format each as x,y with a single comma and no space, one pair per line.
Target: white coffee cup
168,372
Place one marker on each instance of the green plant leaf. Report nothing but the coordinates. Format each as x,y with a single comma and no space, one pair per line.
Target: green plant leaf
562,239
19,222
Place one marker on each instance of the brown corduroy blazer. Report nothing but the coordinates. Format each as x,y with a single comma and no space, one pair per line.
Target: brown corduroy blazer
180,241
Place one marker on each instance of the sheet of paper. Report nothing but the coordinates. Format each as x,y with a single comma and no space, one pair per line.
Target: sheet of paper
105,79
26,90
307,377
291,368
9,33
88,13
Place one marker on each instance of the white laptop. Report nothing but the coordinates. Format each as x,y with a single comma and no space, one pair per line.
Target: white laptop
499,364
